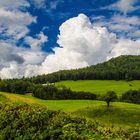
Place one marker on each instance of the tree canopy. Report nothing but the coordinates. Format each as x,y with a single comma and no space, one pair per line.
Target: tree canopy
110,96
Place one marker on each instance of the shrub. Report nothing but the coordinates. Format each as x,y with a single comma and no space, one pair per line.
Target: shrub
22,121
131,96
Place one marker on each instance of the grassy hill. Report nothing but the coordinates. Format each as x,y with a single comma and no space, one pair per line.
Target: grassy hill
120,114
101,86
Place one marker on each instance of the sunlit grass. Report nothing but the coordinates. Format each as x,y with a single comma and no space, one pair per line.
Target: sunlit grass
119,114
101,86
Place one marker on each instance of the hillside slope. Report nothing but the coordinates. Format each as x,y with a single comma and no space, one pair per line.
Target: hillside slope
101,86
120,114
120,68
24,121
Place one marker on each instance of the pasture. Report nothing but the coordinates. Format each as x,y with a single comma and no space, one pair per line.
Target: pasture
101,86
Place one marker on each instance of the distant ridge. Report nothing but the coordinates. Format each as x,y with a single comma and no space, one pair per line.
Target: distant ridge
126,67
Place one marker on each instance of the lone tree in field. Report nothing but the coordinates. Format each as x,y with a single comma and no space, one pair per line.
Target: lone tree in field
110,96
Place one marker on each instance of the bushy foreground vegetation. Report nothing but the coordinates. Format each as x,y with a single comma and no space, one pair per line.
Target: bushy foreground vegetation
22,121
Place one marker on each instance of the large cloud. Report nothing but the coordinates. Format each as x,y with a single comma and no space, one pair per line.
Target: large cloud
13,24
18,71
9,54
125,47
81,44
17,61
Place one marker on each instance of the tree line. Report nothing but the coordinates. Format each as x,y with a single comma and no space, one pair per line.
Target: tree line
120,68
51,92
47,92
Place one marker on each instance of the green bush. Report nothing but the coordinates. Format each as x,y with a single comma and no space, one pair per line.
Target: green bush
131,96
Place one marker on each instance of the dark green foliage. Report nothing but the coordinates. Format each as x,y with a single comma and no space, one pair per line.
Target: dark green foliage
120,68
15,86
37,123
4,86
131,96
51,92
110,96
20,87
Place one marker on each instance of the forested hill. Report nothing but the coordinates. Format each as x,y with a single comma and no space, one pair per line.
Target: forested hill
120,68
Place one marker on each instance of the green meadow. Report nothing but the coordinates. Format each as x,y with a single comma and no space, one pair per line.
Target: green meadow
119,114
101,86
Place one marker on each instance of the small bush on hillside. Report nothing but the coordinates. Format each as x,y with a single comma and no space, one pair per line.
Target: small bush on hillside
131,96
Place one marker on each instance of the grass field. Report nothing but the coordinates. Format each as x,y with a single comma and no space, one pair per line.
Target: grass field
119,114
101,86
65,105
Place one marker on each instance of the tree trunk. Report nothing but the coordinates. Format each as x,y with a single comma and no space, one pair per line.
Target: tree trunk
108,104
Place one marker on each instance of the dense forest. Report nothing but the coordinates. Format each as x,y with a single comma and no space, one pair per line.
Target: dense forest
120,68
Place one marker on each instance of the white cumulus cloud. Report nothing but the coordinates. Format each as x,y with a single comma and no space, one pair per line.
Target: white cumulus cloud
81,44
13,24
16,62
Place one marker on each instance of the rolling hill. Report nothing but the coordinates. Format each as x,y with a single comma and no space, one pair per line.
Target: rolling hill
120,114
120,68
101,86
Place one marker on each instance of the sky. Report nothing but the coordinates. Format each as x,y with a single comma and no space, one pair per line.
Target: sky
43,36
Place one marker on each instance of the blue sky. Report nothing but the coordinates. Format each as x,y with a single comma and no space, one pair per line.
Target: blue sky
43,36
50,17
